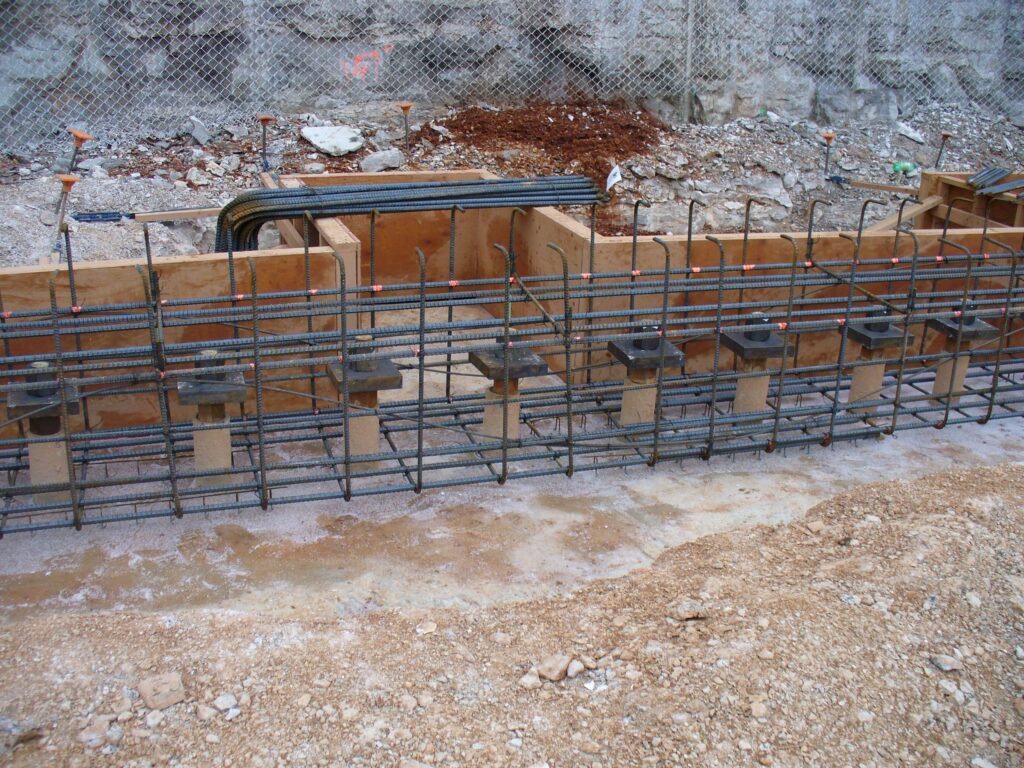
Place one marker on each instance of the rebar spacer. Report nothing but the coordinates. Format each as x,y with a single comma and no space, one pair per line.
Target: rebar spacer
67,181
80,136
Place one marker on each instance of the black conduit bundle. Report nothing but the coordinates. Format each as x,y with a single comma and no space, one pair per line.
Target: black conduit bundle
239,223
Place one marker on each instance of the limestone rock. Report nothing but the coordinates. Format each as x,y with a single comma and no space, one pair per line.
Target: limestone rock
946,663
335,140
225,701
555,667
531,680
382,161
162,691
688,610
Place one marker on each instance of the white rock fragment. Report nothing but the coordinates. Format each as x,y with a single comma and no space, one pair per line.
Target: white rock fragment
335,140
376,162
426,628
905,130
154,718
530,680
225,701
574,668
946,663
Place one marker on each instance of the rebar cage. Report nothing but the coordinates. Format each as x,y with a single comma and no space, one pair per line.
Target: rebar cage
492,358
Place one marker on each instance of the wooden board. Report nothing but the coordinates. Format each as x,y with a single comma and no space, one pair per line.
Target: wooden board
113,282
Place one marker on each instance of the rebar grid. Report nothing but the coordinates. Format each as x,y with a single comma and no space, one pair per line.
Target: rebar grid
434,434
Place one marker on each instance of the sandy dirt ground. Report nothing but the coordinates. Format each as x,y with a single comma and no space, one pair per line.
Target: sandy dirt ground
775,611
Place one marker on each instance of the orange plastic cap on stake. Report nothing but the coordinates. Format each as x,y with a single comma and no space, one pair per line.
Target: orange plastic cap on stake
265,119
80,136
828,136
405,106
67,180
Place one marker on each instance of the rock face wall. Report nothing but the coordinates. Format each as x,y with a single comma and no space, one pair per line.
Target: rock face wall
144,63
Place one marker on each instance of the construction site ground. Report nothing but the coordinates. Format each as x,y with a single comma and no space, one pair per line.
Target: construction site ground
861,605
775,610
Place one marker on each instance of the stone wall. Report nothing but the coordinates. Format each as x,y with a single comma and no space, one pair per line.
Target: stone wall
146,64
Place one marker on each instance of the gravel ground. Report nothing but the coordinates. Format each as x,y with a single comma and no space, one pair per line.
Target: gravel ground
776,161
884,629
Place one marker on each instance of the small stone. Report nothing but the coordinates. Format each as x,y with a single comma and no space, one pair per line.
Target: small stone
946,663
590,746
815,526
973,600
554,667
426,628
154,718
199,131
905,130
231,163
424,700
314,167
205,713
864,716
348,714
407,702
758,709
375,162
225,701
162,691
212,738
409,763
688,610
981,762
197,178
574,668
232,713
531,680
303,701
502,638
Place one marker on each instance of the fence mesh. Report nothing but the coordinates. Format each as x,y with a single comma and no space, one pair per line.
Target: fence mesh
131,67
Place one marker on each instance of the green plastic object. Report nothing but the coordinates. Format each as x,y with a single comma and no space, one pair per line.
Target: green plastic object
904,167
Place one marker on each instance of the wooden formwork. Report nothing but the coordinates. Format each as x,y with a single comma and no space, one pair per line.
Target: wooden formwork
397,236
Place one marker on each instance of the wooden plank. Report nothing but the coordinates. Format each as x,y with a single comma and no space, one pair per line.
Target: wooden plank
181,214
899,188
909,214
965,218
117,282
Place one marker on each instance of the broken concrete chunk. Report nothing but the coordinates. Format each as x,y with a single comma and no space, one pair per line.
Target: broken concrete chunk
336,140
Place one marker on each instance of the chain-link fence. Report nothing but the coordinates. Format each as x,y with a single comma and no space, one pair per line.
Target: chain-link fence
132,67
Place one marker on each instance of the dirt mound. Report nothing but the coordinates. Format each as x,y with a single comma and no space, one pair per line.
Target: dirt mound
581,137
